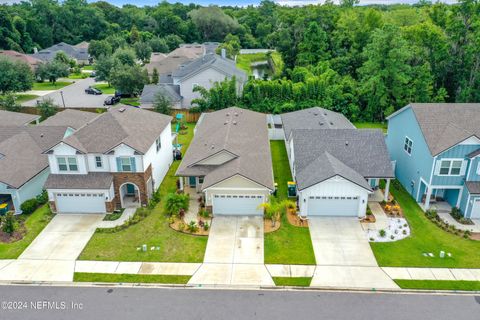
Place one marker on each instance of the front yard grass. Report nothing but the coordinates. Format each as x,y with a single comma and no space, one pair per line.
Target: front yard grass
425,238
154,230
21,98
371,125
292,282
131,101
43,86
439,285
130,278
289,244
34,223
105,87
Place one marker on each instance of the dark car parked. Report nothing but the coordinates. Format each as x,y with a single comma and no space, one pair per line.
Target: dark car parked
91,90
93,74
111,100
123,95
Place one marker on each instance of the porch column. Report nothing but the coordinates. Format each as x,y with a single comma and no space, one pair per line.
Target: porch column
427,198
387,190
181,183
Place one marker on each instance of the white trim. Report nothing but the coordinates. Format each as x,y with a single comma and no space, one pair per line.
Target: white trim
427,185
235,175
468,204
246,189
446,187
406,143
136,188
451,167
433,168
459,197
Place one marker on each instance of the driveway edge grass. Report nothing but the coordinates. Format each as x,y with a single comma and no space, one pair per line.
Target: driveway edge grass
34,223
456,285
130,278
289,244
292,281
426,237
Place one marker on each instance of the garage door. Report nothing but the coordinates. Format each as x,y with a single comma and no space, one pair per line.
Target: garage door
80,202
333,206
237,204
476,209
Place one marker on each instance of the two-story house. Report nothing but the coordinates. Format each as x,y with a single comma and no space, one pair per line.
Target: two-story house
115,161
436,147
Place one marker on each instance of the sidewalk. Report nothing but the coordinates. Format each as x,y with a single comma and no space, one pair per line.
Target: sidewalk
433,274
445,216
127,214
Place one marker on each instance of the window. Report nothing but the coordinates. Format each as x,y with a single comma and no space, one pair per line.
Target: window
200,180
125,164
98,162
67,164
408,145
158,142
450,167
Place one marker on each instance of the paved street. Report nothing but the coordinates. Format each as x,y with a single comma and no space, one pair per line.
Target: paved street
155,303
74,96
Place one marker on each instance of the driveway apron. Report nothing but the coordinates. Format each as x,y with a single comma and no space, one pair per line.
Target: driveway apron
51,256
343,255
234,254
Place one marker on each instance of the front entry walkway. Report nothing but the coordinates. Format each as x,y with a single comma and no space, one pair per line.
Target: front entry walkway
51,256
234,254
343,254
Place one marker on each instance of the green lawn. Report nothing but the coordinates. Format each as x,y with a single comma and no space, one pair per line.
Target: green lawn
289,244
371,125
89,67
131,101
25,97
245,60
75,76
107,89
130,278
439,285
425,237
292,282
153,231
34,224
42,86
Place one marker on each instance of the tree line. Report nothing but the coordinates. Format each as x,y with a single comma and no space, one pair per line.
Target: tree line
365,61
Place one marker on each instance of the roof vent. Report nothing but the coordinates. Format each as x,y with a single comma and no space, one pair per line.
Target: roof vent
41,135
325,113
234,122
321,123
121,110
315,113
236,114
346,143
227,114
331,123
212,146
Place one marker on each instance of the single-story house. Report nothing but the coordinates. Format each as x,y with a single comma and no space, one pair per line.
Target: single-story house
436,147
229,162
17,56
79,54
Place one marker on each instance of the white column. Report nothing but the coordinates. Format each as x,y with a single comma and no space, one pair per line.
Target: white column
387,190
427,199
181,183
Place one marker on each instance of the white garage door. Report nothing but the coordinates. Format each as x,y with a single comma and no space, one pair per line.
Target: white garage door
476,209
80,202
237,204
333,206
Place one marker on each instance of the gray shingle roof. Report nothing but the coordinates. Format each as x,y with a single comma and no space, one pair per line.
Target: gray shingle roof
351,153
21,152
151,90
314,118
48,54
240,132
71,118
92,180
445,124
8,118
137,128
225,66
473,187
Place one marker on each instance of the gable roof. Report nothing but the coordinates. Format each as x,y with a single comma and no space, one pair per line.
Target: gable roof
223,65
242,133
9,118
167,63
314,118
48,54
445,124
21,149
71,118
168,90
132,126
351,153
31,61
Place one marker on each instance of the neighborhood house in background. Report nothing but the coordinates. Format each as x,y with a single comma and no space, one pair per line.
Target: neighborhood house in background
79,52
229,162
436,147
17,56
115,161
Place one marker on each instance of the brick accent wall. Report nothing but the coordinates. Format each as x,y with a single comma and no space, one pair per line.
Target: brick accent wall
110,206
138,178
52,206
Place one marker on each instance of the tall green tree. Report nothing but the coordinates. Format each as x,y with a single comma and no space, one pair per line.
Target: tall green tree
14,75
314,46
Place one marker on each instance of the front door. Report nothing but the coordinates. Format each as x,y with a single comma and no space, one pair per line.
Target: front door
130,189
192,181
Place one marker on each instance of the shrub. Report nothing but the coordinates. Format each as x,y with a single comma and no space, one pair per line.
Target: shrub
382,233
204,213
467,234
192,227
175,202
29,206
206,226
42,198
456,213
9,224
432,214
383,203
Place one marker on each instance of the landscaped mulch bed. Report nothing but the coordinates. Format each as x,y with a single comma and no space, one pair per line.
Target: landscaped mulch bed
295,220
17,234
267,226
180,226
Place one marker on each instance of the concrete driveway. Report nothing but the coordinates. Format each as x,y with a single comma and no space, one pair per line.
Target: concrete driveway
234,254
74,96
51,256
343,255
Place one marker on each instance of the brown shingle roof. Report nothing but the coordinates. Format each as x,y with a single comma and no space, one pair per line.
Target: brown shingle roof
70,118
243,133
92,180
8,118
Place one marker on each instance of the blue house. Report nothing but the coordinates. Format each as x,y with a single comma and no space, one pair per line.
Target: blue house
436,148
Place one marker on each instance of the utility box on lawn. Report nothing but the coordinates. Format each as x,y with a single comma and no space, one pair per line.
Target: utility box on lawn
291,189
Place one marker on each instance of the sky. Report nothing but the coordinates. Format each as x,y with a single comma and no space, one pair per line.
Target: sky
242,2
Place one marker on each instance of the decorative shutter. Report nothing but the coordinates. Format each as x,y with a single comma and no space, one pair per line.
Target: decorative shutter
119,164
133,164
438,163
463,169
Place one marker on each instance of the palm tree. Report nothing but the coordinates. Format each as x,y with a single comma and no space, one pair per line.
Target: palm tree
274,210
